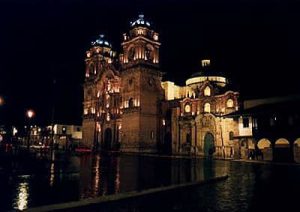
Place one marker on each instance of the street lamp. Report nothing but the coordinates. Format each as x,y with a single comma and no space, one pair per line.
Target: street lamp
30,114
1,100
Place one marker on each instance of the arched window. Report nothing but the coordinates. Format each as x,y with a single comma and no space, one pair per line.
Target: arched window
130,102
187,108
229,103
207,108
231,135
207,91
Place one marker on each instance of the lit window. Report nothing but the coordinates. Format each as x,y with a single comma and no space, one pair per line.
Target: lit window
207,91
255,126
205,63
86,111
207,108
187,108
152,135
229,103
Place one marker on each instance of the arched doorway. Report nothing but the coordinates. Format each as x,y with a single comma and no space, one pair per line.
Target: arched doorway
282,151
297,150
209,146
107,139
265,146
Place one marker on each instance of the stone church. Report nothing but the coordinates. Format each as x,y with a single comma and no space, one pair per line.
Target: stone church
128,108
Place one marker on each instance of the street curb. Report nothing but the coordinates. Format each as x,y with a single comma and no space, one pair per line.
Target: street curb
93,202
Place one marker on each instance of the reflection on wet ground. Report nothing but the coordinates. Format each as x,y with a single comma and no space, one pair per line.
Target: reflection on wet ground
250,187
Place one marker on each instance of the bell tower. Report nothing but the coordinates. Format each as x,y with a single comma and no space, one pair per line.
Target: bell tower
141,88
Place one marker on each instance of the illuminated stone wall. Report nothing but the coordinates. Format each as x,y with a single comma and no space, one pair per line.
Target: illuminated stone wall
132,107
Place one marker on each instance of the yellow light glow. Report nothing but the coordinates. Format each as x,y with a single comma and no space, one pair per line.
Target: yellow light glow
1,100
52,172
207,91
22,198
187,108
30,113
207,108
205,63
229,103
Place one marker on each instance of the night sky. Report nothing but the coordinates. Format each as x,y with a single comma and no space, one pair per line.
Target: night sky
254,42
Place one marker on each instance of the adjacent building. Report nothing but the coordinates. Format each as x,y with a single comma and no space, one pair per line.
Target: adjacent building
274,126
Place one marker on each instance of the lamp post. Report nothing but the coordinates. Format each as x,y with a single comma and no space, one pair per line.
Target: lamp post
29,114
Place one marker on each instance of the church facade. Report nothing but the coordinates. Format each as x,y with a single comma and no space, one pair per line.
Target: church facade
128,108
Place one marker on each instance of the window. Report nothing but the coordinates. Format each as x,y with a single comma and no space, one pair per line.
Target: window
187,108
151,134
207,91
245,122
229,103
255,126
207,108
231,135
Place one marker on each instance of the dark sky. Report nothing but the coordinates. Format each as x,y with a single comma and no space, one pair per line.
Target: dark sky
255,42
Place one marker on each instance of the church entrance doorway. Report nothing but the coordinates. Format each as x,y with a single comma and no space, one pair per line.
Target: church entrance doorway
209,146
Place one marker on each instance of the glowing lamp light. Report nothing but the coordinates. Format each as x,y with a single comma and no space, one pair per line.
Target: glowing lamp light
1,100
30,113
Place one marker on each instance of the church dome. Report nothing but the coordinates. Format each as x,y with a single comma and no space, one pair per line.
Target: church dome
207,73
101,42
140,22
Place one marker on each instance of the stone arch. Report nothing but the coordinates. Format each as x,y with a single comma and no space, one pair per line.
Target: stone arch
282,142
264,143
209,144
149,52
282,151
207,121
265,147
131,52
297,150
243,148
297,142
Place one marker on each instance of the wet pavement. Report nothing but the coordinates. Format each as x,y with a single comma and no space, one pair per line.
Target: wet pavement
250,187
